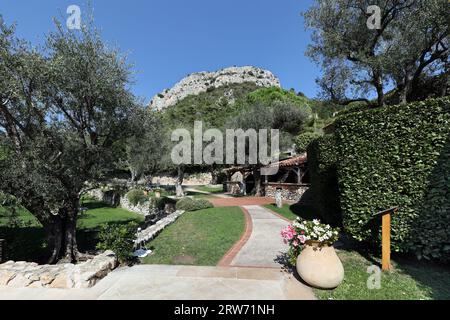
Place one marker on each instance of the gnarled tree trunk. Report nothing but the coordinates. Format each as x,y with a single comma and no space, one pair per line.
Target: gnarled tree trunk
178,183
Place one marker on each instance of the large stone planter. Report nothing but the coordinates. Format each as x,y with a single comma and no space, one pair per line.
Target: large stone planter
319,266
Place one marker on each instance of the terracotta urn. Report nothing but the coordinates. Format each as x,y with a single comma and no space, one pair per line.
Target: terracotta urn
319,266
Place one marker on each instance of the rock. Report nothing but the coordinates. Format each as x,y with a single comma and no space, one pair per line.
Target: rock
320,267
203,81
61,281
6,276
19,281
82,275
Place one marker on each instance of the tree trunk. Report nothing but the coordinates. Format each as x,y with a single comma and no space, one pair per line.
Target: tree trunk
61,234
257,177
179,182
380,93
54,239
214,176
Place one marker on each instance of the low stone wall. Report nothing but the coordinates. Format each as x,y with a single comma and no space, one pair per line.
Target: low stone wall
289,191
153,230
143,209
82,275
189,180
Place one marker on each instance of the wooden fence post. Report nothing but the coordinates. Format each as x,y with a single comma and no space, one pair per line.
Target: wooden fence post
386,237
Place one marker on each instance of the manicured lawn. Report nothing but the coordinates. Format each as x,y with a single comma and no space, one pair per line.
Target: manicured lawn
198,238
292,211
28,242
409,280
212,189
100,213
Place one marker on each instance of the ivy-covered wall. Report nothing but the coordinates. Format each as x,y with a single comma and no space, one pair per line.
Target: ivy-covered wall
397,156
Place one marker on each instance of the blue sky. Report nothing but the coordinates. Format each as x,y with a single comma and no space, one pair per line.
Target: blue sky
168,39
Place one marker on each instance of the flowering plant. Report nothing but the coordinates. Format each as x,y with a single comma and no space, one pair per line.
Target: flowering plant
302,231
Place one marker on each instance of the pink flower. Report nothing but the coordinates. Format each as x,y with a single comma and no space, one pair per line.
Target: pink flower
295,243
288,233
302,239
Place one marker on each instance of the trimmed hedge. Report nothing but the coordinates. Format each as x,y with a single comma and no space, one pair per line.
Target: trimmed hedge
398,156
322,163
136,196
189,204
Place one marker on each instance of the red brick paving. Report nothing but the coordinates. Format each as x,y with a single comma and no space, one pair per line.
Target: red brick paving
229,256
240,201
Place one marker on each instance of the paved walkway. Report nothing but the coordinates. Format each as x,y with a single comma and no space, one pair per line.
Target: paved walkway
157,282
261,245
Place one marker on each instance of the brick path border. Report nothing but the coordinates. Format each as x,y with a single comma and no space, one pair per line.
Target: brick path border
231,254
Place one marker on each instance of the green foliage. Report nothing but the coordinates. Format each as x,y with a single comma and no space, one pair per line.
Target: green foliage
118,238
268,96
356,60
212,107
398,156
322,163
189,204
136,196
160,203
303,140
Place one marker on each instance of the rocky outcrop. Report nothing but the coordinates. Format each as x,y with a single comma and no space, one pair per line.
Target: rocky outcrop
82,275
204,81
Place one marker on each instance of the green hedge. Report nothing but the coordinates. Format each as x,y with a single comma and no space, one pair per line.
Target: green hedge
136,196
398,156
189,204
322,162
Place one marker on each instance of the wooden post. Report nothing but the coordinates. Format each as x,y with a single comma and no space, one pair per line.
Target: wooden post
386,237
386,242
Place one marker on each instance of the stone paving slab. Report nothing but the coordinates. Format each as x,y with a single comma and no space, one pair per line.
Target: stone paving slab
148,282
265,245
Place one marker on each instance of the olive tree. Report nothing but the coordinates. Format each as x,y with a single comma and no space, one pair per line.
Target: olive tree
62,109
360,58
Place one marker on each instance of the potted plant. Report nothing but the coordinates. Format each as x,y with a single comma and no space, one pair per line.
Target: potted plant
311,251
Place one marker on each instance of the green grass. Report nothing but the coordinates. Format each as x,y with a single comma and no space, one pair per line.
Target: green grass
28,242
292,211
208,188
409,280
100,213
198,238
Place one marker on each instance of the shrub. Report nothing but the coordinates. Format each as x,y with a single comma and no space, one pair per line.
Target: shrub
189,204
160,203
136,196
398,155
118,238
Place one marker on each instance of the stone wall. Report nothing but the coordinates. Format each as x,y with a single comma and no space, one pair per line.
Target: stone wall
143,209
289,191
82,275
195,179
153,230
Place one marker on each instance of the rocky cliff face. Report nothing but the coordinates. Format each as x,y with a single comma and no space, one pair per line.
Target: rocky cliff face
203,81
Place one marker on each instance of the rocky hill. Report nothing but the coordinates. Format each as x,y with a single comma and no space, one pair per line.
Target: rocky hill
200,82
